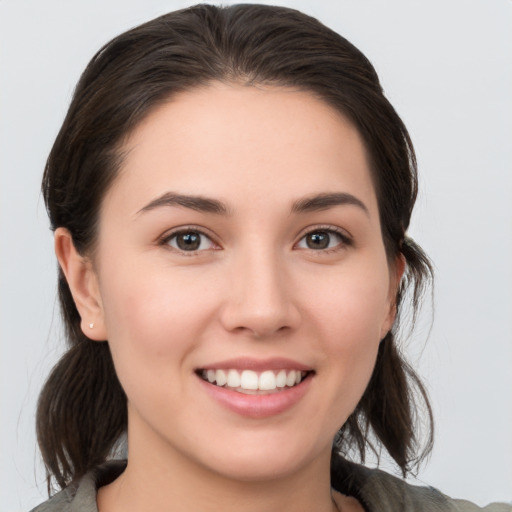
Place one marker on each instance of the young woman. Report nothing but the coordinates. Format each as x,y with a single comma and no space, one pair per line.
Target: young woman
230,193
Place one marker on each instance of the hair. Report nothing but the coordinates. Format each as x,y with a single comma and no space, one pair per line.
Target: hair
82,411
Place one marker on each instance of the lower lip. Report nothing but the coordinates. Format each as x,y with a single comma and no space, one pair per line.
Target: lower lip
257,406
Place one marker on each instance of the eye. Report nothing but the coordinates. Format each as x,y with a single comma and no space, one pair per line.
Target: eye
322,239
189,241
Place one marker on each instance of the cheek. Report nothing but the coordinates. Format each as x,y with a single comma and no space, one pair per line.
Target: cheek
352,308
353,338
350,316
153,323
152,318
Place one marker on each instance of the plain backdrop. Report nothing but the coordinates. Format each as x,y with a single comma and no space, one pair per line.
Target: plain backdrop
446,65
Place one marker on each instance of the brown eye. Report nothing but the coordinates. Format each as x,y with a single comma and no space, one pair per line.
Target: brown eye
321,239
190,241
318,240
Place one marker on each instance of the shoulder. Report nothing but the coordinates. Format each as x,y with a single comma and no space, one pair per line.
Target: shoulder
379,491
466,506
58,502
81,495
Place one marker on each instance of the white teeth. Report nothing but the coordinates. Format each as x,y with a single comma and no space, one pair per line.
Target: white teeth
267,381
233,379
221,377
281,379
250,380
290,378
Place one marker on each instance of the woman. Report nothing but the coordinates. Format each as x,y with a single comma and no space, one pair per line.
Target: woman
230,193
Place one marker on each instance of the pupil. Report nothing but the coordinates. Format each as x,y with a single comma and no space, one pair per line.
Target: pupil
318,240
189,241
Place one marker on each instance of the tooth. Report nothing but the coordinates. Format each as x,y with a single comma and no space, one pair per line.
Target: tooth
267,380
249,380
233,380
281,379
220,377
252,381
290,378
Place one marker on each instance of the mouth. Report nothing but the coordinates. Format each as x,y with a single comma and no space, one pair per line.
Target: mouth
251,382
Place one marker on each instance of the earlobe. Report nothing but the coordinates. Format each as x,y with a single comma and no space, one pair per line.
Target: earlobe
83,283
395,278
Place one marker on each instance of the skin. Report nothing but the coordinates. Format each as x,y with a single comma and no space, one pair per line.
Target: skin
253,289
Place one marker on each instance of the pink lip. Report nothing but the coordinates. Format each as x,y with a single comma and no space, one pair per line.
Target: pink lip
245,363
257,406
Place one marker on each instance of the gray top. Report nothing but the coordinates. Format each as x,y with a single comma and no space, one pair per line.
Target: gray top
376,490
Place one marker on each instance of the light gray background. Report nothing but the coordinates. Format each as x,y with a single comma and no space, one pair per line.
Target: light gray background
446,65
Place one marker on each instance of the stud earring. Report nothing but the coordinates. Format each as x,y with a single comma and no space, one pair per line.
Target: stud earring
91,326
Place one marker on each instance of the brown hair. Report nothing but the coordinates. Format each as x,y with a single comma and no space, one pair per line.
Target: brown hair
82,408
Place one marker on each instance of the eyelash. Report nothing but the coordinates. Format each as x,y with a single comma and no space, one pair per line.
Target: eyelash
346,240
166,239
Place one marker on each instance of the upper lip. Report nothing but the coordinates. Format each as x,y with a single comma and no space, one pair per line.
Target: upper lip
248,363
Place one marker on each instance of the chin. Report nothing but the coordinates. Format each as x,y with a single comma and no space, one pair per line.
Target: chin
270,459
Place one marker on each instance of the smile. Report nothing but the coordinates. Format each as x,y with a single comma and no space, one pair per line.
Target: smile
254,382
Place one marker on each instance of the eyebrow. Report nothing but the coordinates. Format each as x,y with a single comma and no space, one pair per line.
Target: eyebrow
199,203
208,205
328,200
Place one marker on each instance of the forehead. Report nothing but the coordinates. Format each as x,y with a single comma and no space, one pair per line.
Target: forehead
234,141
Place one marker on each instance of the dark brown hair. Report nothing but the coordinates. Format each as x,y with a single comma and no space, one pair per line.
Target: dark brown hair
82,408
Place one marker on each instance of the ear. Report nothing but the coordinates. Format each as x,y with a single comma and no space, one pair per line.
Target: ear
83,283
396,271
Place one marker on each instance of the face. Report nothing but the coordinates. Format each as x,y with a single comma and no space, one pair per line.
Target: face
242,279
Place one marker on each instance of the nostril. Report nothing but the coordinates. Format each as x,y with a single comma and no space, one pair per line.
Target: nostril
259,304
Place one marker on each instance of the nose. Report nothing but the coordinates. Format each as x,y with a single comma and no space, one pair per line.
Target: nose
261,300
